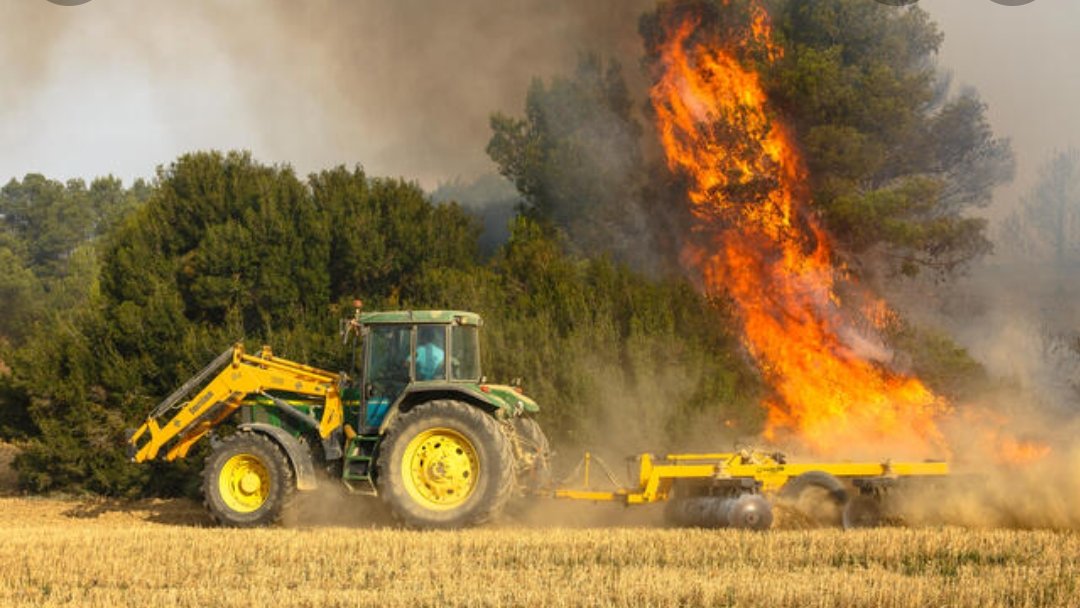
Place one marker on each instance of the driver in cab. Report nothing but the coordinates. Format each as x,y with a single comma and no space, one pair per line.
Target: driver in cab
430,357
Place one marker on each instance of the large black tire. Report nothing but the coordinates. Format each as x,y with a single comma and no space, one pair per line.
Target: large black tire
535,473
818,496
247,481
863,511
490,488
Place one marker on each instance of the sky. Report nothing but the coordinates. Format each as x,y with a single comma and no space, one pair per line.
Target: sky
404,88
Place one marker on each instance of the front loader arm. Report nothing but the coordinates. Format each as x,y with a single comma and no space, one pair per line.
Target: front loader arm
238,375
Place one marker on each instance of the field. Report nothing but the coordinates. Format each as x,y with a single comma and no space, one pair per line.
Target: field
84,553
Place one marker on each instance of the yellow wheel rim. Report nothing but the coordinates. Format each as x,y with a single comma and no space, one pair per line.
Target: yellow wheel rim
244,483
440,468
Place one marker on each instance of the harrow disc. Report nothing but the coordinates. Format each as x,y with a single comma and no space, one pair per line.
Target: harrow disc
750,512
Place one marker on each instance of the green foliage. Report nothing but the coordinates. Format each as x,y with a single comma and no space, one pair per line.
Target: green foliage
19,291
936,359
224,249
116,296
383,233
45,220
49,233
894,161
575,158
607,352
881,135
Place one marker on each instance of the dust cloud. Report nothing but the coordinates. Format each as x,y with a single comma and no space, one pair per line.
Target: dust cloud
1041,495
330,504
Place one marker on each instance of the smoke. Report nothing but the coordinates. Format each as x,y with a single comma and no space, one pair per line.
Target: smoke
1015,310
404,88
1015,314
1032,87
1044,494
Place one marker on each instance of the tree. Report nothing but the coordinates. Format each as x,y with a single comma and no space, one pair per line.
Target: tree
51,219
383,233
1046,226
576,159
20,291
894,161
1038,252
224,249
612,356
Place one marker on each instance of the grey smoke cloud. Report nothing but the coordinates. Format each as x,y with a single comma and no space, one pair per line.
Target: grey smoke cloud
403,87
1021,59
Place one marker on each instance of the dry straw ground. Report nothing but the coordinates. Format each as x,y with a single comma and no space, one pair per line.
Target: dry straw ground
57,553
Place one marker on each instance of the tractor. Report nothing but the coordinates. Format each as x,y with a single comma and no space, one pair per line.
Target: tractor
414,422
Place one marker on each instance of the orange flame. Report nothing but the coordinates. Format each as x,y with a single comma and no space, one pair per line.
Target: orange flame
1016,452
991,442
757,243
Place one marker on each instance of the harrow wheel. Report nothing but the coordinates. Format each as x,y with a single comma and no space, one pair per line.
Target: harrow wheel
817,496
445,464
246,481
862,512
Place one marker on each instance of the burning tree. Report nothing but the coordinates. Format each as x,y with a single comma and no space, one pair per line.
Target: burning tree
807,149
756,241
738,105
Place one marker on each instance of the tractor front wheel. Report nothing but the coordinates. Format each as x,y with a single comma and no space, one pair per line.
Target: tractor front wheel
246,481
445,464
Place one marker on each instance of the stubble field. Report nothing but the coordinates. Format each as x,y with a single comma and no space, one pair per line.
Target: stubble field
79,553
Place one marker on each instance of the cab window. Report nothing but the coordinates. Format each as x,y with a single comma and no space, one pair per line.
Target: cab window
430,352
465,341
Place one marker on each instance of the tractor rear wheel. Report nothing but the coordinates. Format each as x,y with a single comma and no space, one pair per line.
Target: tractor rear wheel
246,481
445,464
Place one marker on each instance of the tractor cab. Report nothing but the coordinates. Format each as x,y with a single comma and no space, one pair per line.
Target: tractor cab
423,348
409,357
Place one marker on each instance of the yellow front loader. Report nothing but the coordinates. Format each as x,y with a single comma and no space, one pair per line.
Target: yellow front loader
239,375
251,473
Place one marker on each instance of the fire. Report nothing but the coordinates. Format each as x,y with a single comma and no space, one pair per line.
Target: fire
756,241
989,439
1016,452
